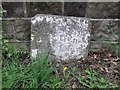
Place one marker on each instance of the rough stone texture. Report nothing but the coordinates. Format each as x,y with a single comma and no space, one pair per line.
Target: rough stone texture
77,9
103,10
21,46
8,29
105,30
16,30
20,29
54,8
14,9
105,34
98,45
65,38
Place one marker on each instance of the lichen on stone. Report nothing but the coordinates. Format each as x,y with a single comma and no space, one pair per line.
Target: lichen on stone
66,37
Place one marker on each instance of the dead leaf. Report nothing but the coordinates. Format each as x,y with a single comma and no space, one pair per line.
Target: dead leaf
115,63
106,69
101,69
109,54
115,71
74,85
95,56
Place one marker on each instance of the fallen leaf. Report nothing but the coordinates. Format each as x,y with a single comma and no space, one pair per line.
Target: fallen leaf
115,71
95,56
106,69
74,85
109,54
115,63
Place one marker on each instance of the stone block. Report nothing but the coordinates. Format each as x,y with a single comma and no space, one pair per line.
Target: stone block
105,30
16,30
53,8
13,9
22,29
98,45
8,29
103,10
77,9
95,46
64,38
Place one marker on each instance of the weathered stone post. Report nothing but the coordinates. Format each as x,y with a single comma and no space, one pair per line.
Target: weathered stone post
65,38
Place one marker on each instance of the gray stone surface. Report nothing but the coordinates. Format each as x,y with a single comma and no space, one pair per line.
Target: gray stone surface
16,30
64,38
77,9
19,29
13,9
104,10
105,30
53,8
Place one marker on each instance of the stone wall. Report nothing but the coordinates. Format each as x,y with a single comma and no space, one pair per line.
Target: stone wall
104,18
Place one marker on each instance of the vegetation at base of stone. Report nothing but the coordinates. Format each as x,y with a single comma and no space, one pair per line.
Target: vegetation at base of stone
93,79
34,75
90,79
40,73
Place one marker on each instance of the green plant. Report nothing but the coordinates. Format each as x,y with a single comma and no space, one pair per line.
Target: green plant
93,80
54,82
36,74
9,52
90,79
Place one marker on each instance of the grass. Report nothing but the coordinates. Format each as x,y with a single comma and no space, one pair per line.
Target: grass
34,75
40,73
93,79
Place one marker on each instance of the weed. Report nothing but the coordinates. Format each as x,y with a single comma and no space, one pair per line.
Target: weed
36,74
9,52
93,79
